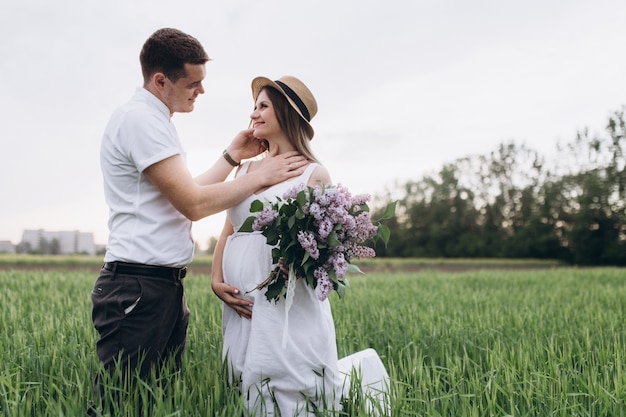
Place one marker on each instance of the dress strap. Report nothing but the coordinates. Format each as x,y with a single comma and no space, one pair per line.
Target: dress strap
308,172
243,169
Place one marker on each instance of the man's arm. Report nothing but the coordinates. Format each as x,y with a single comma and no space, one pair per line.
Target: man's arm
196,201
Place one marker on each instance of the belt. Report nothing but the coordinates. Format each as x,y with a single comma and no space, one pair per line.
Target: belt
146,270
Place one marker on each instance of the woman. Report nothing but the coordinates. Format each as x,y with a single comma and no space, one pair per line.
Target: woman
301,377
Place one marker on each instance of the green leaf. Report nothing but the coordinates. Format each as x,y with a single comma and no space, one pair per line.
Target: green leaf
271,236
383,233
390,211
304,266
332,239
276,255
247,224
291,244
354,268
332,275
301,198
275,290
256,206
341,289
311,280
305,258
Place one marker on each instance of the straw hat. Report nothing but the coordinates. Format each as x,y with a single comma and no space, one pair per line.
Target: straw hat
296,93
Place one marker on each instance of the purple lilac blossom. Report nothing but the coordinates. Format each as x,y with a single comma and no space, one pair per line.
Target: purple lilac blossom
316,211
264,218
363,229
358,251
337,213
360,199
331,208
339,264
318,194
324,229
324,285
292,193
308,243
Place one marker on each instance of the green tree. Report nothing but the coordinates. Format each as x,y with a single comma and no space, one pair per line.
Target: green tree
511,203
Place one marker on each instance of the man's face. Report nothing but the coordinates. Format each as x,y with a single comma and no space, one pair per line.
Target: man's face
180,96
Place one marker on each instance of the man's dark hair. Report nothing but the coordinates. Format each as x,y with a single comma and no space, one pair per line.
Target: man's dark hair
168,50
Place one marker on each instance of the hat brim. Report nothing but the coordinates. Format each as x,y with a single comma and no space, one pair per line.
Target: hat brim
261,82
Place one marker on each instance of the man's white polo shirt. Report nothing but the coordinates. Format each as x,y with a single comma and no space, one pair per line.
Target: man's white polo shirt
143,226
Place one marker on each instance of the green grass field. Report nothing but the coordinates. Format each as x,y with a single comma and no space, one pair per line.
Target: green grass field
492,342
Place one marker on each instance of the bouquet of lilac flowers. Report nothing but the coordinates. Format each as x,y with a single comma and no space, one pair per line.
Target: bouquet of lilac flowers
316,232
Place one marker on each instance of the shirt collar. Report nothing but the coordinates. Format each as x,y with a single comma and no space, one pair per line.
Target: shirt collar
154,101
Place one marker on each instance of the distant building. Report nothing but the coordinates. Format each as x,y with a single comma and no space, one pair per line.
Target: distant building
61,243
6,246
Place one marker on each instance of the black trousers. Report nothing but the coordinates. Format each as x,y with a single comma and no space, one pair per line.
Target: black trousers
142,321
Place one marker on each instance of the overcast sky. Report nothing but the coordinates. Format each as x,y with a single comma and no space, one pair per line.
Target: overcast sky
403,86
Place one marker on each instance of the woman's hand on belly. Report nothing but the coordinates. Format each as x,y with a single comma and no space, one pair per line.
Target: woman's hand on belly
230,296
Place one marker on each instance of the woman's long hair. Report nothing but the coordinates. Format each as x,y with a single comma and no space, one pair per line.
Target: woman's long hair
291,123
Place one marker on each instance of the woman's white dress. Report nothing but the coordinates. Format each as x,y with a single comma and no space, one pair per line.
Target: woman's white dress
301,376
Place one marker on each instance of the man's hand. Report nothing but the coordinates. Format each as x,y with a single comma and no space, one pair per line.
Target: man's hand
275,168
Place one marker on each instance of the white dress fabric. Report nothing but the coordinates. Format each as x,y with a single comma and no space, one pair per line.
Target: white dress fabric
297,378
366,367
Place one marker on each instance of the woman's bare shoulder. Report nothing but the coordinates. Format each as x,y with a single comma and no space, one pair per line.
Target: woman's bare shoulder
320,174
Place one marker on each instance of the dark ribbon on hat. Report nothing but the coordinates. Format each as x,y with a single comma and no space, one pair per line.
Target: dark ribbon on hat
292,95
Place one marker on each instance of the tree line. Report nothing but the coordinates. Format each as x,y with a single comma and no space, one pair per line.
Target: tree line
515,203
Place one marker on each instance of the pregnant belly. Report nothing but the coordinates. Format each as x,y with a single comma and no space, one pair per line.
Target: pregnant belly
247,261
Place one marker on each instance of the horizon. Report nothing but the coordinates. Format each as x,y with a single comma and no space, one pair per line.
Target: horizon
401,89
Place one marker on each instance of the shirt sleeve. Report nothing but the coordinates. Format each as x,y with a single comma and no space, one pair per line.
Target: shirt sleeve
150,139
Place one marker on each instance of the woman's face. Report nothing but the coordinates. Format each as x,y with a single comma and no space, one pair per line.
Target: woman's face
264,121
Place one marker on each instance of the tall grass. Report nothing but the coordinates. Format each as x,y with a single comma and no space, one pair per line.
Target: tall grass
547,342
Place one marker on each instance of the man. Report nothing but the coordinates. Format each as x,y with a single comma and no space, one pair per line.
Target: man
139,307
